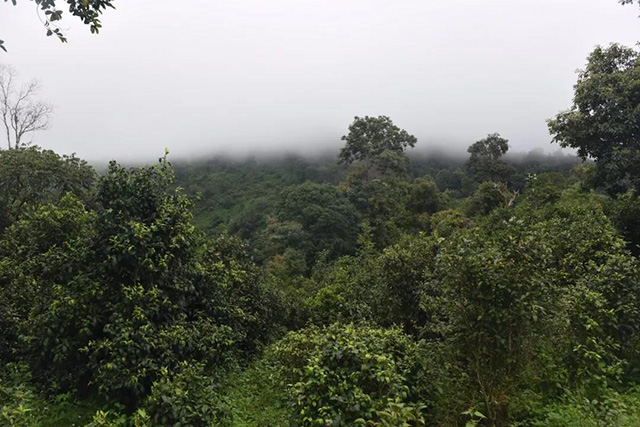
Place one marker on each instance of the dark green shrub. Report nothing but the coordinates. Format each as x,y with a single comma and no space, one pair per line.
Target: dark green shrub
500,300
625,214
38,253
20,405
544,188
488,196
32,176
110,298
445,223
598,279
345,290
402,281
326,215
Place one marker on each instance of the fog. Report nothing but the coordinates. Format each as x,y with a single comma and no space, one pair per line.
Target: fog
256,76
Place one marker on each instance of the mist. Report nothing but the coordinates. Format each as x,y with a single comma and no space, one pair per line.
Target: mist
249,77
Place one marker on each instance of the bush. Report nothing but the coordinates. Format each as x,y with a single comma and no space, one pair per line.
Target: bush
19,404
445,223
403,276
576,410
345,291
500,305
186,397
32,176
347,375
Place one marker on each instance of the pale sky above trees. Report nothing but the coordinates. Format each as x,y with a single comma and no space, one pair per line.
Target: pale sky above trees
251,75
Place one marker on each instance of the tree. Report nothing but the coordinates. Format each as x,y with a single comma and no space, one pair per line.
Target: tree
486,163
127,290
378,187
30,177
424,196
21,113
603,123
88,11
376,143
488,196
498,291
327,217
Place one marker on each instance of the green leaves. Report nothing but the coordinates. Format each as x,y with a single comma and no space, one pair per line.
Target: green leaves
602,123
30,177
485,162
347,375
326,216
376,142
185,396
88,11
113,295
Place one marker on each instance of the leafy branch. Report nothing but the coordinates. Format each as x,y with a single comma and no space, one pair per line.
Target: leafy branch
88,11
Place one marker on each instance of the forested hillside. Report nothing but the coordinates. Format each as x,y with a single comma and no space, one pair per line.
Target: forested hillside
368,289
379,285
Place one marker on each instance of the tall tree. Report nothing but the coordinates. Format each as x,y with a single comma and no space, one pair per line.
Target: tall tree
603,123
485,162
21,113
376,143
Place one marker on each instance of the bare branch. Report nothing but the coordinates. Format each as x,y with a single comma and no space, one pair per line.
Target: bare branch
21,114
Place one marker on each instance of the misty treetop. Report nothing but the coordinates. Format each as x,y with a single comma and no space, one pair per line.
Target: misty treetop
485,162
375,142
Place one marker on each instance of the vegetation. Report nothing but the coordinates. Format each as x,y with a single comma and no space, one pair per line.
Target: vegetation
378,290
603,120
87,11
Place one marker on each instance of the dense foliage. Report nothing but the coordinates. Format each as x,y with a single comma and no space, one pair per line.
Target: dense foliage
387,291
345,375
116,299
603,120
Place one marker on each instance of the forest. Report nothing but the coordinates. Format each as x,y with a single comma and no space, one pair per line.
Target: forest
368,287
382,285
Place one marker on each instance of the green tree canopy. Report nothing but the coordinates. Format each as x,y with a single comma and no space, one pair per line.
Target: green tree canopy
485,162
604,121
326,215
376,143
30,177
111,298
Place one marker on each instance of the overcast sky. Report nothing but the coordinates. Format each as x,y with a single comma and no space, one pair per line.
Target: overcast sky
203,76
